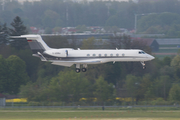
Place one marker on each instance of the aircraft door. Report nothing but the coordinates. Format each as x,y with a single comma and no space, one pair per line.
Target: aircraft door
66,52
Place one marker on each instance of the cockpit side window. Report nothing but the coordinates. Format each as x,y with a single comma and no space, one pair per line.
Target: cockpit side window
142,52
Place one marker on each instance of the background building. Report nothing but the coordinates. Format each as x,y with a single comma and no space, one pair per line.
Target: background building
2,100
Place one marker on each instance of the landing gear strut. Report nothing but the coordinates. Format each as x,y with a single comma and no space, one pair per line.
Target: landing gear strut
143,64
78,68
84,67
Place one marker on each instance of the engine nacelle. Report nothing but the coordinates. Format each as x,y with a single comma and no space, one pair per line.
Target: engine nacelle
57,52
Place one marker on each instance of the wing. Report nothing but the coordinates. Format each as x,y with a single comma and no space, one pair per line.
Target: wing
64,63
70,63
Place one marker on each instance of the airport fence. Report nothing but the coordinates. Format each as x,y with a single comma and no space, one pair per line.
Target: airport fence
82,105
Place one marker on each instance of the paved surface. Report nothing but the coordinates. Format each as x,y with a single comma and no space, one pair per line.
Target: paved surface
164,53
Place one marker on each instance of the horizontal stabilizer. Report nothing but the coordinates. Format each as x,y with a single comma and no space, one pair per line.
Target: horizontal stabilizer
40,56
23,36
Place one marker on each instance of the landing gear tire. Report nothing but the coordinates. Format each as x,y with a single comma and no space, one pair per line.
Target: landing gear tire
78,70
144,67
83,69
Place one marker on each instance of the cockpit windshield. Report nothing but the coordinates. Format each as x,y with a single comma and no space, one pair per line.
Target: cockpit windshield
142,52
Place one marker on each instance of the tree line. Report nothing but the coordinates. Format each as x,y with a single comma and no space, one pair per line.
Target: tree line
49,14
13,69
41,81
161,23
12,74
105,82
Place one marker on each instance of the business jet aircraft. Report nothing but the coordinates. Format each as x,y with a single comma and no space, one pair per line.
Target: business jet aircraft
68,56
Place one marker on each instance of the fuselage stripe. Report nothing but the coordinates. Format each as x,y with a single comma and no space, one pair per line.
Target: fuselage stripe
29,40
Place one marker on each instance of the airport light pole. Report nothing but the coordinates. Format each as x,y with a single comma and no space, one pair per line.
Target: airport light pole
3,3
67,11
135,21
108,5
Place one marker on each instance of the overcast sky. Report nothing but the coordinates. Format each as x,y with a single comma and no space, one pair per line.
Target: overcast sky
115,0
72,0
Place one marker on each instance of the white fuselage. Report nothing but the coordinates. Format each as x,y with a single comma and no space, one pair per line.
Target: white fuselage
68,56
104,55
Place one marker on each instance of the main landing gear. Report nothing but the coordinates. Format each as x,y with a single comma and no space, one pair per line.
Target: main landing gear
83,69
78,70
143,64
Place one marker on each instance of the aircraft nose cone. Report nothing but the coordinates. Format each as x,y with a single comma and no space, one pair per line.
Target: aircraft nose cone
151,57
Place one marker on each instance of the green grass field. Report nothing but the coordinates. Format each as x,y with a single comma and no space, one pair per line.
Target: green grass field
88,114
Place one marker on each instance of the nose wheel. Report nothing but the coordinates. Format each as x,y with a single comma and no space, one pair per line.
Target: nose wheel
143,64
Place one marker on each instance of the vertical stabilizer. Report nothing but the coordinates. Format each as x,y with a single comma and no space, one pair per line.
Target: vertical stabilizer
36,43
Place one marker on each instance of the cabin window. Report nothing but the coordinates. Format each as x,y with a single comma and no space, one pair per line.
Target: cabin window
94,54
111,55
117,54
105,55
88,55
99,55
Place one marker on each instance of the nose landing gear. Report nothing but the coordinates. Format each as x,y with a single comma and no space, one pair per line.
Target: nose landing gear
143,64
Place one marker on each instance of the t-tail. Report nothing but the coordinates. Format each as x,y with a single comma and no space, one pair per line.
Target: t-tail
37,45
